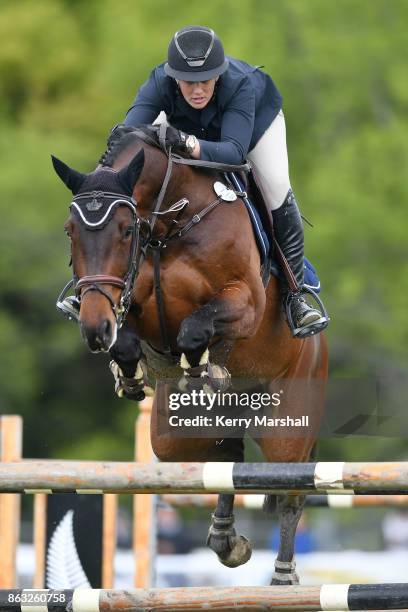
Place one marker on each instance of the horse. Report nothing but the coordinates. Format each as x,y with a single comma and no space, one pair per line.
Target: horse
171,285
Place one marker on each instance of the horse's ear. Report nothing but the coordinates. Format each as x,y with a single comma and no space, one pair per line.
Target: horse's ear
72,179
128,176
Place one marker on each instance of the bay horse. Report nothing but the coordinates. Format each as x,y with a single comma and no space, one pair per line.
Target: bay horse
166,304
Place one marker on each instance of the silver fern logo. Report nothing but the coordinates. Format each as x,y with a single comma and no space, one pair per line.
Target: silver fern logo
64,569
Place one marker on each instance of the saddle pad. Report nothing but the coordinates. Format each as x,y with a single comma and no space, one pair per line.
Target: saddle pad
311,278
261,236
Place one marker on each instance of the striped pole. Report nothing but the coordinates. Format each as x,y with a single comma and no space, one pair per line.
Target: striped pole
326,597
255,501
291,478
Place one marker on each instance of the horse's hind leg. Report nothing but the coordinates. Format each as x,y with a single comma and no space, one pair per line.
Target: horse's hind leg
232,549
290,509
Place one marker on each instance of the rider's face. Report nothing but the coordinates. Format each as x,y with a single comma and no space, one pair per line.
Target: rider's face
197,93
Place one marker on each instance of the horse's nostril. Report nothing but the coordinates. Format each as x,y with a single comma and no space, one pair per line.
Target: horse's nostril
100,337
106,328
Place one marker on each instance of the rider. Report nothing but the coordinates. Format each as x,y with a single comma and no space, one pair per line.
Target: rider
225,110
231,111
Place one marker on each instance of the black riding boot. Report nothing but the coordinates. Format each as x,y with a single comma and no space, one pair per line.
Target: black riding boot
288,228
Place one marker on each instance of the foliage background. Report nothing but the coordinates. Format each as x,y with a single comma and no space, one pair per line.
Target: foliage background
68,72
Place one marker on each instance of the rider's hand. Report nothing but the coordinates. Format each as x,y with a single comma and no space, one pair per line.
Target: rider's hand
176,138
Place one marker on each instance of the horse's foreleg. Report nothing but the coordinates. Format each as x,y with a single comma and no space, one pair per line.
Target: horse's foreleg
230,315
126,366
290,510
193,339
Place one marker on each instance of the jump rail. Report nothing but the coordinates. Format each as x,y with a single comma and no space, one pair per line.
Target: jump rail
326,597
255,502
120,477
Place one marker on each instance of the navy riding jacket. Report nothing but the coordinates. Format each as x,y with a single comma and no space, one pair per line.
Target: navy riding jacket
245,103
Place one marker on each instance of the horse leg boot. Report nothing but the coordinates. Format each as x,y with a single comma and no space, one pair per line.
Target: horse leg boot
232,549
289,509
200,373
127,365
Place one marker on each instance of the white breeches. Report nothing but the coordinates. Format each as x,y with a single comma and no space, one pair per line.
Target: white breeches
269,159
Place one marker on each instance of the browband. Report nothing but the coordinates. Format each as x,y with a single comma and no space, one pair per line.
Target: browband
96,210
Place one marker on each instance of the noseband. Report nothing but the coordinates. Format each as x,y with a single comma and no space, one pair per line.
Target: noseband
95,210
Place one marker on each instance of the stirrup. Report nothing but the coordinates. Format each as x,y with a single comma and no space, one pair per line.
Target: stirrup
67,306
312,328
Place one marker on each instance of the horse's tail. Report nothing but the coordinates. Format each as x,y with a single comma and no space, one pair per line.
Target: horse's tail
270,501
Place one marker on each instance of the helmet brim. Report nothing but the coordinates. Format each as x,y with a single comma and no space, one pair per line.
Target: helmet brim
195,76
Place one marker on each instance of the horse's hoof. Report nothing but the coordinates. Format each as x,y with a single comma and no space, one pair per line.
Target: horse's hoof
284,579
216,378
139,396
231,549
187,384
239,553
219,379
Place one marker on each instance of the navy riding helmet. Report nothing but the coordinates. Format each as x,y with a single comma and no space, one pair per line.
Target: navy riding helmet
195,54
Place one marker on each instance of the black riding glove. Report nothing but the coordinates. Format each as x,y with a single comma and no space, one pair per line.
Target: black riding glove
176,139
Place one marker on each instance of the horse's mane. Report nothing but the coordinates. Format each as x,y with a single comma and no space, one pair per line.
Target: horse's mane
122,136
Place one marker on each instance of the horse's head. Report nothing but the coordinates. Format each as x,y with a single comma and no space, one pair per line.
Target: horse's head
104,230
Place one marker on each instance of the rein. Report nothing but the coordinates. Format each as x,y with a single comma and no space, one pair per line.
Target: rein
157,244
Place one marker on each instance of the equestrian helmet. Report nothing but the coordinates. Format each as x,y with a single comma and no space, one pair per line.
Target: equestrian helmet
195,54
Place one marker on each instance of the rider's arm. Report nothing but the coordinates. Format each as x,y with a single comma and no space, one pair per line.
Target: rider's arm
236,128
147,104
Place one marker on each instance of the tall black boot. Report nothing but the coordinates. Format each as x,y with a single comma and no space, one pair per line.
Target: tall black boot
288,229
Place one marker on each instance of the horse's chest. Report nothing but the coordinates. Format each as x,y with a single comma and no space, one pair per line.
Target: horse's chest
179,289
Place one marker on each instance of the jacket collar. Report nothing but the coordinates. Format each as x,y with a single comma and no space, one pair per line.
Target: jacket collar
199,117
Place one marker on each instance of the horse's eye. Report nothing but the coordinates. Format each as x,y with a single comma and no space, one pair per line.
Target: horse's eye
68,228
128,231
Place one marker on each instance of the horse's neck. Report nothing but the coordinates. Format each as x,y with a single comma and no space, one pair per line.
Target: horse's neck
184,182
153,173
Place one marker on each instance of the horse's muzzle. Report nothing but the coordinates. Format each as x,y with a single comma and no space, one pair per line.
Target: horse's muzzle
99,338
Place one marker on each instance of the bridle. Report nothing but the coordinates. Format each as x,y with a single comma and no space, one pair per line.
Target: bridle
93,201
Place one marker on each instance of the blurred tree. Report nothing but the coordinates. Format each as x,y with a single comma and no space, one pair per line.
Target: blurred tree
69,70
